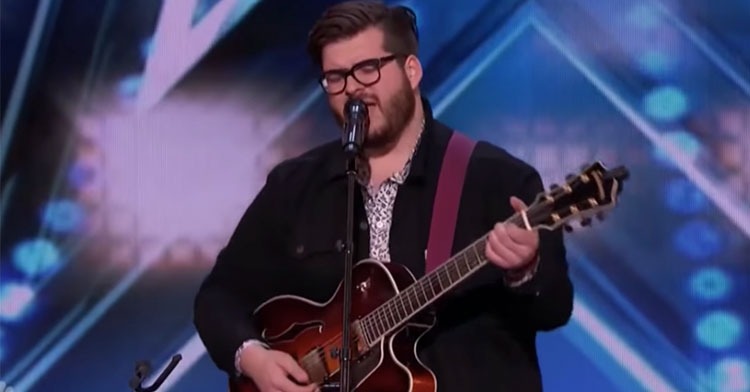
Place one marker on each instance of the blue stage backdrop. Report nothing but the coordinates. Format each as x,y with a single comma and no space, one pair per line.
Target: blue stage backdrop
135,133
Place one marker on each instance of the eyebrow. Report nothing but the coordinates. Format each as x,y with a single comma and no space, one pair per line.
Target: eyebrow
337,70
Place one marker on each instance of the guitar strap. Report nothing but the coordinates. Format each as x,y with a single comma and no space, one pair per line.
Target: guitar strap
447,199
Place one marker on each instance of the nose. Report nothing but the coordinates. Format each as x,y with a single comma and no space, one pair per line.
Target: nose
353,87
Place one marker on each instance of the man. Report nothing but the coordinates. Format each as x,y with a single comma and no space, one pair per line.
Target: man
289,240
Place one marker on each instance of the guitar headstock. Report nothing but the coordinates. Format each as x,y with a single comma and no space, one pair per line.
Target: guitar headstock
590,193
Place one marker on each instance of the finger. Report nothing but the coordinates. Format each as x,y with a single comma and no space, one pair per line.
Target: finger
522,236
507,258
517,204
519,250
292,367
492,256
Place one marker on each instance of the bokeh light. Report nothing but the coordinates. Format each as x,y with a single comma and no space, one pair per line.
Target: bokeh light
15,299
655,62
710,284
731,375
36,257
666,103
683,197
719,330
63,215
698,240
688,146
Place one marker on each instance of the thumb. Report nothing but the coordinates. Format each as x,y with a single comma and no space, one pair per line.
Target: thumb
517,204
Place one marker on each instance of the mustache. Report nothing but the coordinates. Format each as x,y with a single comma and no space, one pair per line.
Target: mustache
368,99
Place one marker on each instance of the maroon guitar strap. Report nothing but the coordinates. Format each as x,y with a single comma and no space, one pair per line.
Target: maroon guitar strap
447,199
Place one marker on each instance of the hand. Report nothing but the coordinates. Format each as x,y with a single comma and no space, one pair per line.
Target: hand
511,247
273,371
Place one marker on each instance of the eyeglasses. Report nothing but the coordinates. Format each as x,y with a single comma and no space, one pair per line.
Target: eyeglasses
365,72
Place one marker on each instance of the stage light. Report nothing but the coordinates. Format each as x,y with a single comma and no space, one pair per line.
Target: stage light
62,215
644,17
697,240
730,375
689,147
655,62
683,197
718,330
666,103
36,257
14,300
128,87
710,284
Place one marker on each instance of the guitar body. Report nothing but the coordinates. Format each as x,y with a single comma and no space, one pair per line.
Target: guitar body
301,328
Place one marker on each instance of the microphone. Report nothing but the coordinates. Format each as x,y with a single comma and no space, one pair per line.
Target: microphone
357,122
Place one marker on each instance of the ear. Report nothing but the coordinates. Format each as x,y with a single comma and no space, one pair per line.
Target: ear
413,69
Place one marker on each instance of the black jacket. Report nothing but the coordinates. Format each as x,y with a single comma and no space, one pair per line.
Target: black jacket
288,242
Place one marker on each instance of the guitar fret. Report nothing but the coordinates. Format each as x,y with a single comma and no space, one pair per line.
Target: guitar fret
479,258
368,330
413,297
452,272
433,282
433,291
389,315
407,300
381,320
371,328
394,312
401,309
440,281
461,263
444,276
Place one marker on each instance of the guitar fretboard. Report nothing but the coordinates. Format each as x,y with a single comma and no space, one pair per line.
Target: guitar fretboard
403,306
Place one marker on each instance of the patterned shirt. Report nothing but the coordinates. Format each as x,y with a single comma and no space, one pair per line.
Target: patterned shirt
379,205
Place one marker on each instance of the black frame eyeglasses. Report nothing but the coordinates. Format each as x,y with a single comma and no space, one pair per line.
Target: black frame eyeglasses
366,72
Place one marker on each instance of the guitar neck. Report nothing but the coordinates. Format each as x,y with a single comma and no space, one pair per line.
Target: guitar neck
400,308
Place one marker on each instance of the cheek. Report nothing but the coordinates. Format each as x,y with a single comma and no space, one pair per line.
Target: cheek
337,103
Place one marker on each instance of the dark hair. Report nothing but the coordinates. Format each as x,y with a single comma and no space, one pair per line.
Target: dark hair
347,19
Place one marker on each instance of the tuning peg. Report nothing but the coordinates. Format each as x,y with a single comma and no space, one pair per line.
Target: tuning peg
570,177
586,222
568,228
554,186
600,216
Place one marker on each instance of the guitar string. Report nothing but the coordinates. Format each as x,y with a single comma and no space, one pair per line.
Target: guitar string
411,293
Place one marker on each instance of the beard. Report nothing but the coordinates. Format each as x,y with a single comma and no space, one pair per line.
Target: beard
397,110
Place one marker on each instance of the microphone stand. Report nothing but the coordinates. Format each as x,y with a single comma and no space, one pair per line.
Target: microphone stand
356,127
351,176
